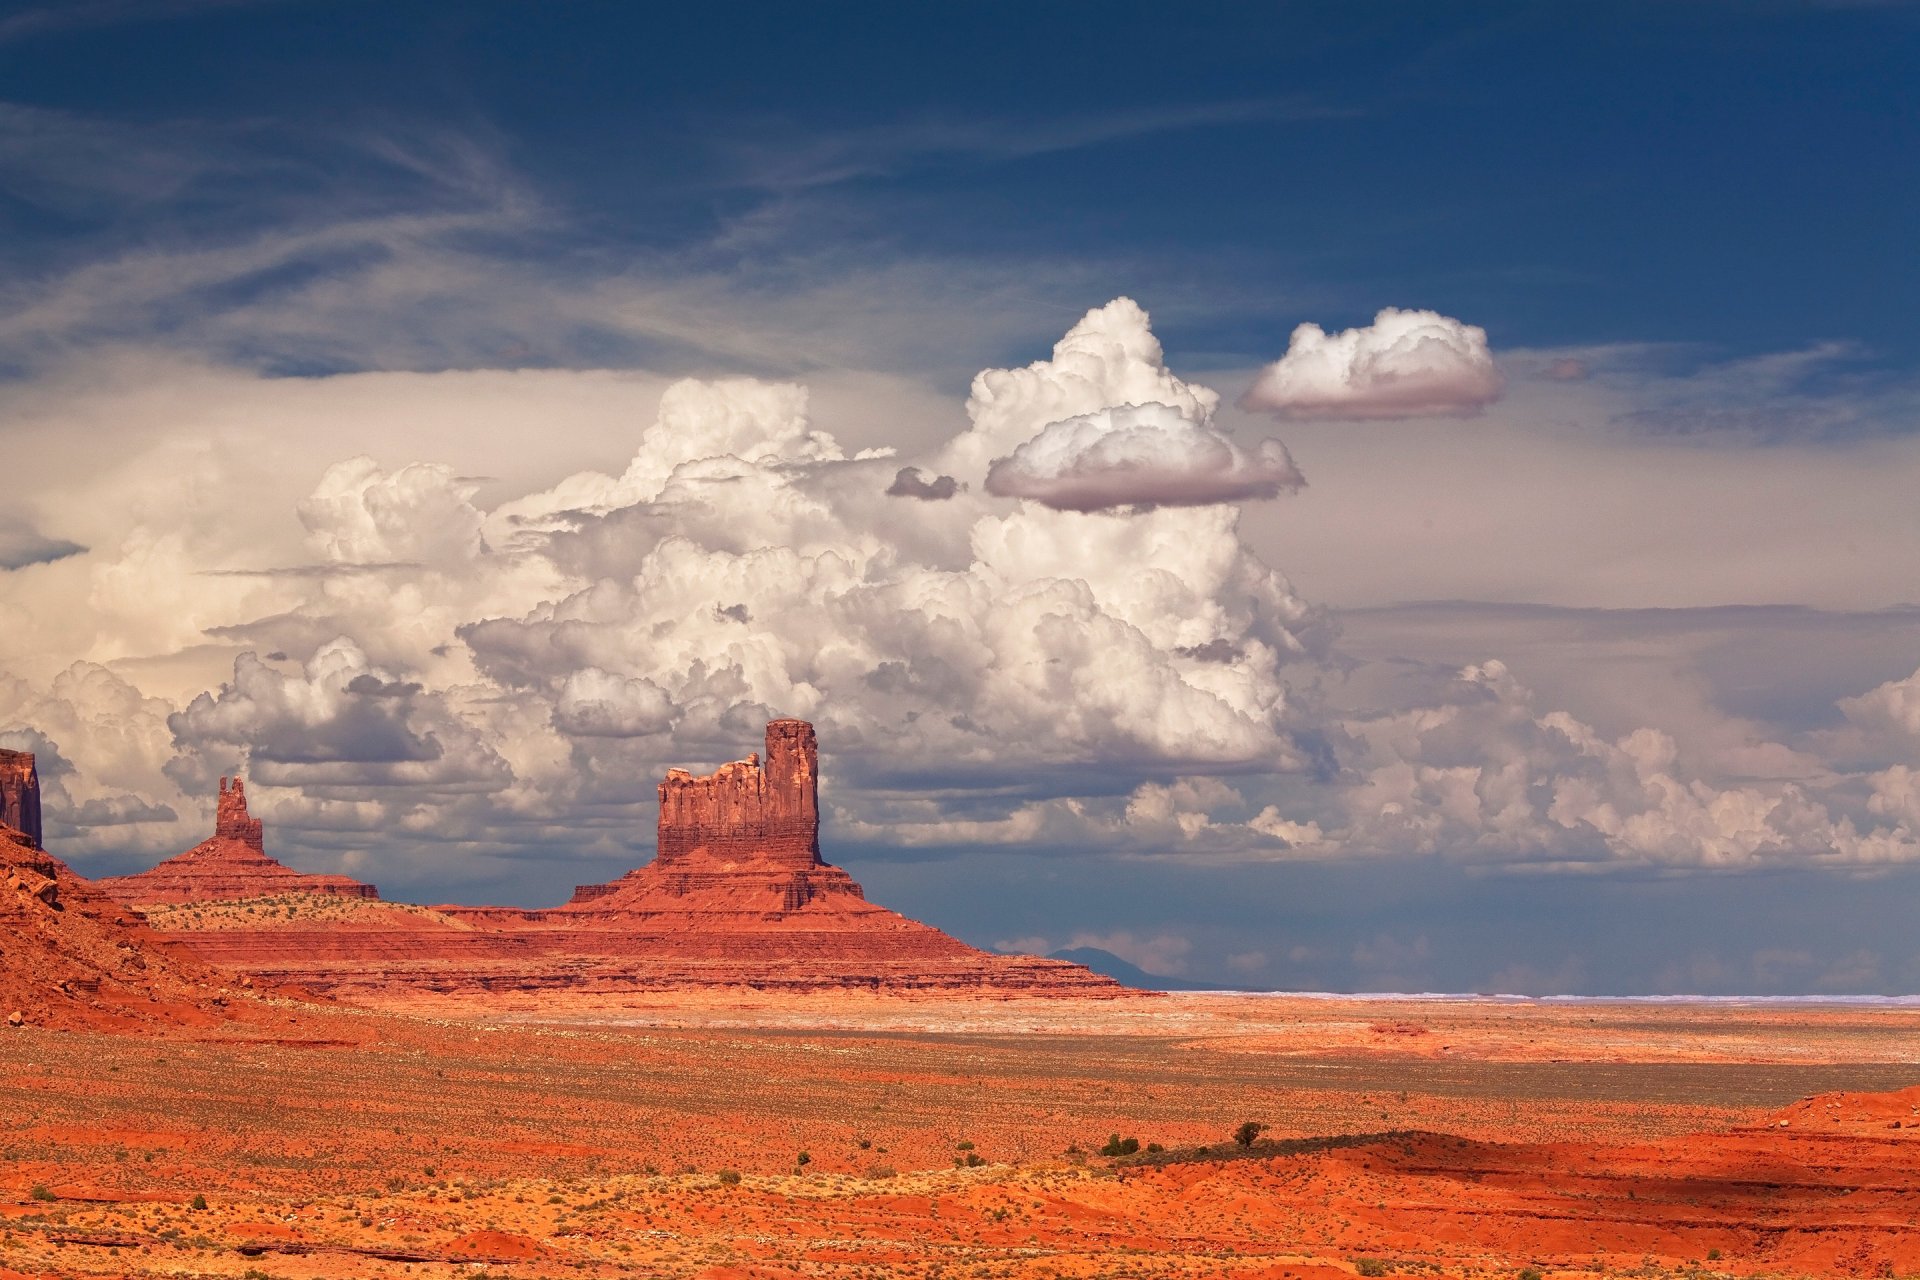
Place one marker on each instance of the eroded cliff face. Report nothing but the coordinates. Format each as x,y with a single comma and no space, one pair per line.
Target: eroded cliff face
232,865
20,795
745,811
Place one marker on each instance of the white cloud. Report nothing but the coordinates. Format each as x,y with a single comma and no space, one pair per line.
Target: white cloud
594,704
1109,359
1485,774
1406,364
1890,710
1140,455
485,666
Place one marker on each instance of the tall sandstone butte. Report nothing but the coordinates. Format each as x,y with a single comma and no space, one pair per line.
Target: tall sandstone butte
20,795
743,810
233,865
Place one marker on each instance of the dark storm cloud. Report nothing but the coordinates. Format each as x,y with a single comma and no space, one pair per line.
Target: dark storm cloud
21,545
910,483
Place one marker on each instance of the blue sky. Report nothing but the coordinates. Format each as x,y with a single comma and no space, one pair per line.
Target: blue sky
1614,634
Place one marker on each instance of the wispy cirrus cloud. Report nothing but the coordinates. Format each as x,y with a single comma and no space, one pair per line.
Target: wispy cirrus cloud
776,155
81,15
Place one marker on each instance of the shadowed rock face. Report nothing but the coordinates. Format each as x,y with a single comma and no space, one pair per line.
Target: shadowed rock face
745,811
20,794
233,865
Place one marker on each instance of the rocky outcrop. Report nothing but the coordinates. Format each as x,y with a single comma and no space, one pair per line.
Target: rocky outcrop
232,865
737,897
71,957
20,795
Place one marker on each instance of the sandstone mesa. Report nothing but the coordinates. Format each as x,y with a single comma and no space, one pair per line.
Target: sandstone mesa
737,897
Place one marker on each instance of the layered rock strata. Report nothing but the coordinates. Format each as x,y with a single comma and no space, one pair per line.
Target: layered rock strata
232,865
20,795
737,897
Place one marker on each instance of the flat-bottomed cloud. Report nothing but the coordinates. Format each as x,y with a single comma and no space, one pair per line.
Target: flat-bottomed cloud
1406,364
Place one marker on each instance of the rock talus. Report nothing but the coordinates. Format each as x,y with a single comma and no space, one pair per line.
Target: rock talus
232,865
20,795
72,957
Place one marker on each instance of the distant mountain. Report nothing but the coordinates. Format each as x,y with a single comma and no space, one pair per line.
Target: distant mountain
1132,975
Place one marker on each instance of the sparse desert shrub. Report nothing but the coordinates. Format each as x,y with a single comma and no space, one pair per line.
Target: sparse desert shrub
803,1159
730,1177
1154,1148
1529,1273
1370,1266
963,1145
881,1172
1248,1131
1119,1146
40,1192
198,1202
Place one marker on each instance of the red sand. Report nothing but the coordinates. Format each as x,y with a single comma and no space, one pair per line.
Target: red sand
347,1143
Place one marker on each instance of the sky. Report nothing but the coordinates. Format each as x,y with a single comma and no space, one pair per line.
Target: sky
1389,497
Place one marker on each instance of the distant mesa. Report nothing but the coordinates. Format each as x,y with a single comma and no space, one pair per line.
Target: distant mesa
232,865
20,795
1132,975
737,897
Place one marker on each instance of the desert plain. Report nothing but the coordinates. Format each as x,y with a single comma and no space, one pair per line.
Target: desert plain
715,1135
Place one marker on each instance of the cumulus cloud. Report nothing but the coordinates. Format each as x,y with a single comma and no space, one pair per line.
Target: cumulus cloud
1406,364
595,704
1485,773
1140,455
522,665
340,721
1888,712
1109,359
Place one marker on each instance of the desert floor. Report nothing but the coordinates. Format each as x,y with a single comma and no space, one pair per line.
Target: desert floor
716,1137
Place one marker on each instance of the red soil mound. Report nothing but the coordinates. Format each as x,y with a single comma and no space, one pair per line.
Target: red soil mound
1852,1112
232,865
71,957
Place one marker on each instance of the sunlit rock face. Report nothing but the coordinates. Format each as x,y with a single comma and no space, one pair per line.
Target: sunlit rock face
745,810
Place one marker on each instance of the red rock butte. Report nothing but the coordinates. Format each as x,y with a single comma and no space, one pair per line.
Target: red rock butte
20,795
737,897
232,865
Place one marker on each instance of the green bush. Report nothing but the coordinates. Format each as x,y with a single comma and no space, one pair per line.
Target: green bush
40,1192
1119,1146
1248,1131
730,1177
1370,1266
198,1202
